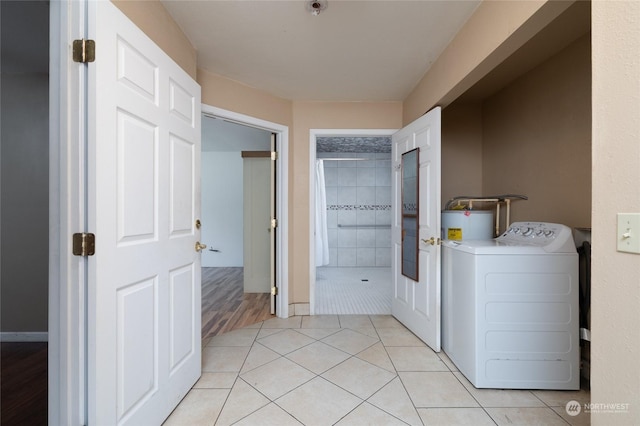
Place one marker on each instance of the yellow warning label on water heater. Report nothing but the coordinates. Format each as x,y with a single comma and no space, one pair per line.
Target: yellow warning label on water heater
454,234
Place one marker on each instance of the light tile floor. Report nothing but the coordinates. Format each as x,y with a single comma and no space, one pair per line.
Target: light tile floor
353,291
350,370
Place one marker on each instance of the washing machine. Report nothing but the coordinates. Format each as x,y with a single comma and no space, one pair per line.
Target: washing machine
510,308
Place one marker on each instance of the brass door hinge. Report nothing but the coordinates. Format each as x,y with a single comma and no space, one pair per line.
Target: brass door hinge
84,51
274,291
84,244
274,223
274,155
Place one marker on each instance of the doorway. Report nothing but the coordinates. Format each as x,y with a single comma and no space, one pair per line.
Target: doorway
236,199
244,146
350,221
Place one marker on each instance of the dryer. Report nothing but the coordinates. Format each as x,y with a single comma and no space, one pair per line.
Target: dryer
510,308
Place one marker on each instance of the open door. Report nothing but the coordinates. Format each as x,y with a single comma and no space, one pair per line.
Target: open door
416,304
274,224
143,165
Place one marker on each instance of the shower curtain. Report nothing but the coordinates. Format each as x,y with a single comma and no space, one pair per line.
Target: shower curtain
322,239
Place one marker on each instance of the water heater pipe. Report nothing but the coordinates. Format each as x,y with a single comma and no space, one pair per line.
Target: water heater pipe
498,199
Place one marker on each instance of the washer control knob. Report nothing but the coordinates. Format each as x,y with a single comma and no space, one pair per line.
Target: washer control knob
527,231
549,233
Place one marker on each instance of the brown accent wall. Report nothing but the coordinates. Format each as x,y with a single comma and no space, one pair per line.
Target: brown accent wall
536,140
495,31
461,151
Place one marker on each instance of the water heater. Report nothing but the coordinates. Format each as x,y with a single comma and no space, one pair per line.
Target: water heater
467,224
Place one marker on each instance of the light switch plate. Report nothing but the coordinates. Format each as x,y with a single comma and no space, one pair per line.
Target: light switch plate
629,232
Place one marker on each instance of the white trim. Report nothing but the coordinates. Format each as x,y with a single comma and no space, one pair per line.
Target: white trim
282,202
24,336
313,134
67,347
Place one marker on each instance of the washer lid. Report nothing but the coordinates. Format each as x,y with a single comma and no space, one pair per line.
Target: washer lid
492,247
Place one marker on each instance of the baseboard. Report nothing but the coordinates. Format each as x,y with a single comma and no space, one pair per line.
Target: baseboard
24,336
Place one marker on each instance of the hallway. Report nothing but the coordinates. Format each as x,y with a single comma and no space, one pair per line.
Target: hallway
349,370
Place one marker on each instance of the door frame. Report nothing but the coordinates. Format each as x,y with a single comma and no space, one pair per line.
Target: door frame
282,195
67,403
313,134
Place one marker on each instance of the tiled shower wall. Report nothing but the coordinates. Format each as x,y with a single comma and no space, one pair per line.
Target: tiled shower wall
358,209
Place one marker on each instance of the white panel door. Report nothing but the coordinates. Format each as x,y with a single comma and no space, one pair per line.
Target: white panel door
272,235
143,165
417,304
257,224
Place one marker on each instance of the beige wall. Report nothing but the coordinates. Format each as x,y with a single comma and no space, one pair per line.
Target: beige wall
536,140
615,350
152,18
461,151
494,31
224,93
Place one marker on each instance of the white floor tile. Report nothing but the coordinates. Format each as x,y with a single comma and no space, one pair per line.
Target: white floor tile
318,357
199,408
270,415
367,414
359,377
350,341
500,397
538,416
291,322
277,377
241,337
415,358
289,375
393,399
318,403
377,355
398,337
455,416
318,333
242,401
258,356
285,342
321,321
216,381
223,359
436,389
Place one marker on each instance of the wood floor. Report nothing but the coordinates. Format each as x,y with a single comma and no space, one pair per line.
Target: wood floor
23,386
225,306
23,379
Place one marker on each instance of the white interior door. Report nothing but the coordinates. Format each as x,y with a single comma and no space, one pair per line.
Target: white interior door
143,200
417,304
272,233
257,224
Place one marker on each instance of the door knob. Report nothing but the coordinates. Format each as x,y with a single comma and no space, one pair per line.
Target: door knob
200,246
433,241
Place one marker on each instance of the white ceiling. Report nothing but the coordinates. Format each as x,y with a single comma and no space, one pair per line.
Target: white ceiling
355,50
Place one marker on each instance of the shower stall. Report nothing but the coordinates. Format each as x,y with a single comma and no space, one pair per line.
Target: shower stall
353,225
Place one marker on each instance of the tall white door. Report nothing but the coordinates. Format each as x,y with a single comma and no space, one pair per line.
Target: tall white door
257,224
417,303
143,165
272,234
